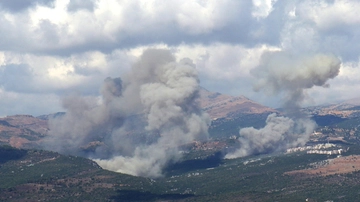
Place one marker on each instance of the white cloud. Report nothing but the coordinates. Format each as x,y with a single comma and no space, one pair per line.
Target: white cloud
123,23
328,15
224,61
324,26
63,46
44,74
262,8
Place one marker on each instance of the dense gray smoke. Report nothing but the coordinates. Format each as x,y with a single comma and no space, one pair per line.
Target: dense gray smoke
157,88
288,75
279,134
86,121
282,72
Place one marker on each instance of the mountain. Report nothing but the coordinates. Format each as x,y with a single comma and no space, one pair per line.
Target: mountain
25,131
346,109
203,174
228,114
353,101
218,105
22,131
51,116
38,175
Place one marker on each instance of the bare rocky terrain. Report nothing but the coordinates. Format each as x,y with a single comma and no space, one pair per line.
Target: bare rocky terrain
22,131
218,105
339,165
345,109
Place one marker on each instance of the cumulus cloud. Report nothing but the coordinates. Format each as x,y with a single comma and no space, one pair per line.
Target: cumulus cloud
226,38
323,26
113,24
262,8
76,5
20,5
157,88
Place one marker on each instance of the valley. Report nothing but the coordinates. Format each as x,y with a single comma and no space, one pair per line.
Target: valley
314,172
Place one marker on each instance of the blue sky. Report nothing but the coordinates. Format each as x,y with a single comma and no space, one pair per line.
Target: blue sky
52,48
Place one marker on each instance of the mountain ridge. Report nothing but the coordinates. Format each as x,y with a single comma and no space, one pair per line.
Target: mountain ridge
219,105
26,131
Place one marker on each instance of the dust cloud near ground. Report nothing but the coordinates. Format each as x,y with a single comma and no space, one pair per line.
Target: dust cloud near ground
158,88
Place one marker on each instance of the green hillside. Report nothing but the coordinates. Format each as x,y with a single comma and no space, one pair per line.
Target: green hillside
48,176
43,175
224,128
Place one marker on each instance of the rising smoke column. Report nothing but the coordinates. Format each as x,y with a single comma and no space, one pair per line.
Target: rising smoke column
168,93
86,120
289,75
163,90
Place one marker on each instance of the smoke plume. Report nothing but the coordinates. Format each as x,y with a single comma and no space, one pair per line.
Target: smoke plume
290,76
157,88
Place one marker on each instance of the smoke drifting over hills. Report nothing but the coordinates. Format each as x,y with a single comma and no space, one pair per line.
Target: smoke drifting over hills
289,75
157,87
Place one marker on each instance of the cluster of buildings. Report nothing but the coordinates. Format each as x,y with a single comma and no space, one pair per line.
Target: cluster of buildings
317,149
336,151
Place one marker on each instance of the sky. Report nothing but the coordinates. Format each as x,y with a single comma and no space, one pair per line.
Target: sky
50,49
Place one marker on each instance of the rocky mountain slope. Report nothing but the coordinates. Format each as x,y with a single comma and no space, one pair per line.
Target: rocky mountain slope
37,175
218,105
228,114
22,131
346,109
25,131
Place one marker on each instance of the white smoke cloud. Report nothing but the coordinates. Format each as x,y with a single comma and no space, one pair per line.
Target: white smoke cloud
279,134
290,75
157,87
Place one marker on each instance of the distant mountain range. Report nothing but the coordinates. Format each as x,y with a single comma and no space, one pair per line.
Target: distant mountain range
218,105
227,112
346,109
22,131
32,174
